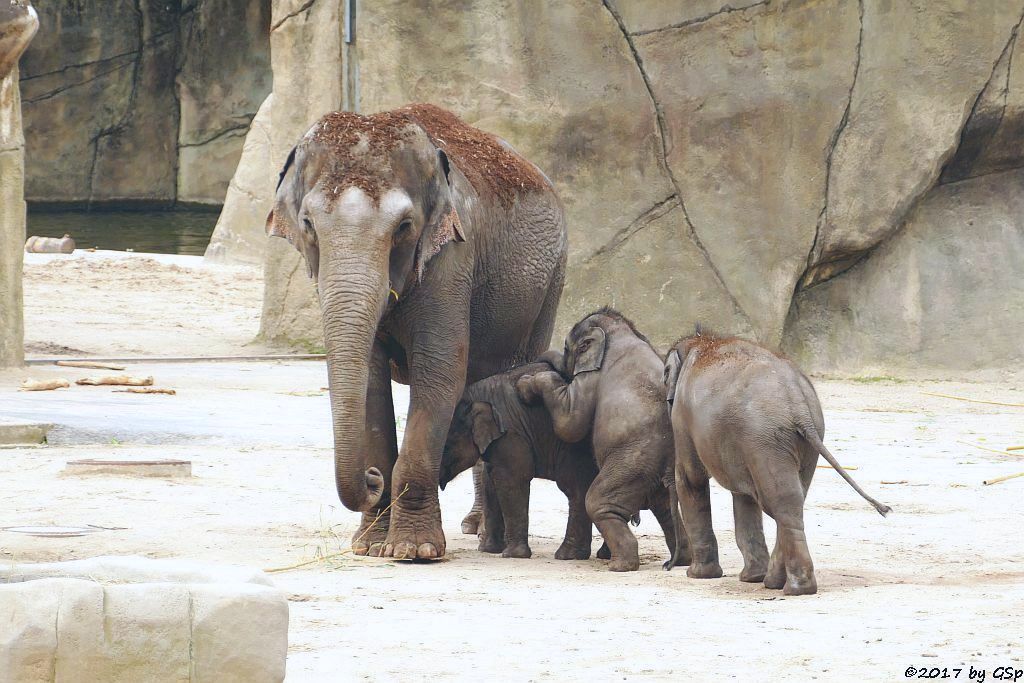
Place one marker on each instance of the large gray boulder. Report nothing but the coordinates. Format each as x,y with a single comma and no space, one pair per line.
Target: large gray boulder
718,161
240,236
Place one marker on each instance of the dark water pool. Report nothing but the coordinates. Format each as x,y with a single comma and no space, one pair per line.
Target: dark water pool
161,232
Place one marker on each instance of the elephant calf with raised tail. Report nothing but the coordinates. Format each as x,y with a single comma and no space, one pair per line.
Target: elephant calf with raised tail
751,419
613,401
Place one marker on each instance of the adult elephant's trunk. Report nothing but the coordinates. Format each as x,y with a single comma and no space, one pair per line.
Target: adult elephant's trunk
351,299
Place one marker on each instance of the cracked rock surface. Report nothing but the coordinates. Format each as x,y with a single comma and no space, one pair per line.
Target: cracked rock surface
728,162
141,100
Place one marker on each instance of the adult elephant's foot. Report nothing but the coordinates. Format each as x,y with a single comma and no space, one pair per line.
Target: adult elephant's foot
373,530
567,551
704,570
471,523
415,534
520,550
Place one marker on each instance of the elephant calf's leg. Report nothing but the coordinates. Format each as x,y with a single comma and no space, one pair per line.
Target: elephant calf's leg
611,519
791,547
750,538
775,576
471,522
695,501
678,548
492,538
579,533
514,497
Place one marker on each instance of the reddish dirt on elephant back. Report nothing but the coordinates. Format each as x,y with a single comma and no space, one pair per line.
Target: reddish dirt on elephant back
491,167
713,349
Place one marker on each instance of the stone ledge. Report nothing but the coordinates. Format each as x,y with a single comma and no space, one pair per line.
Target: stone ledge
133,619
23,432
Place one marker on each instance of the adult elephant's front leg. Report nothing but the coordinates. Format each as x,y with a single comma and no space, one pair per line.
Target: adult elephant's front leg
437,378
382,451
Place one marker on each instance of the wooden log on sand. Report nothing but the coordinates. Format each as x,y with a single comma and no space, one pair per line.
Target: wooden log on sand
88,364
117,380
44,384
145,390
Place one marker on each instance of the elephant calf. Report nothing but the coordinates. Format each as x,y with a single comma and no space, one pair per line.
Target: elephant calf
614,403
517,444
752,420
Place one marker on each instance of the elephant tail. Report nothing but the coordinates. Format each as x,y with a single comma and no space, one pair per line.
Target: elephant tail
810,435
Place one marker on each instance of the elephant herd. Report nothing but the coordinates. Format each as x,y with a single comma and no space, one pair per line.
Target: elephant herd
439,255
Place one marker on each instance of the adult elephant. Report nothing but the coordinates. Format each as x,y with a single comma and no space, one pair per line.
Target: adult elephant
439,255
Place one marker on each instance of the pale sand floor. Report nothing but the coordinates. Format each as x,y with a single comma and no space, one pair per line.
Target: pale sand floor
939,583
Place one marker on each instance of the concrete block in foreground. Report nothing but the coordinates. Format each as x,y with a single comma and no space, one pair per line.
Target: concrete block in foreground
17,433
131,619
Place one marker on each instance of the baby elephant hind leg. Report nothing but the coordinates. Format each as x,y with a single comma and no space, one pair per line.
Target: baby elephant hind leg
610,510
750,538
579,532
679,548
787,509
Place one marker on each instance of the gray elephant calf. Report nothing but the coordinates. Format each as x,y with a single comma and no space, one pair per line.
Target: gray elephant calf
615,403
518,444
752,420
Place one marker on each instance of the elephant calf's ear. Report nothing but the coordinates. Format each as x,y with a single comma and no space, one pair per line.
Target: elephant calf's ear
672,366
487,425
591,358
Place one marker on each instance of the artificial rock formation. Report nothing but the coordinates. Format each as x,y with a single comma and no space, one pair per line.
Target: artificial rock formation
18,24
239,236
111,619
142,100
793,170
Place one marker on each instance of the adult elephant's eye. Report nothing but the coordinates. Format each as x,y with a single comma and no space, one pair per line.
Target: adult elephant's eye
403,229
308,225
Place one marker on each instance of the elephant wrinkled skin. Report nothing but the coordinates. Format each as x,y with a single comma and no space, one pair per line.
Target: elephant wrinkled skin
609,394
751,420
439,256
518,444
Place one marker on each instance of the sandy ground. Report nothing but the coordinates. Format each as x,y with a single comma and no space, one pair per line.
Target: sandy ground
940,583
120,304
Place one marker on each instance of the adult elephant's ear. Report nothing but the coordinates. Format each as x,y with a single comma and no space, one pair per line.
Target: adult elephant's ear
590,352
487,425
672,366
283,219
444,224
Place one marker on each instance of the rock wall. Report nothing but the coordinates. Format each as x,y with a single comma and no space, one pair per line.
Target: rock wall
750,165
18,24
239,236
142,100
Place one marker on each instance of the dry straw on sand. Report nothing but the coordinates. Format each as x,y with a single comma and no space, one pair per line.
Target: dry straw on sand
322,555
